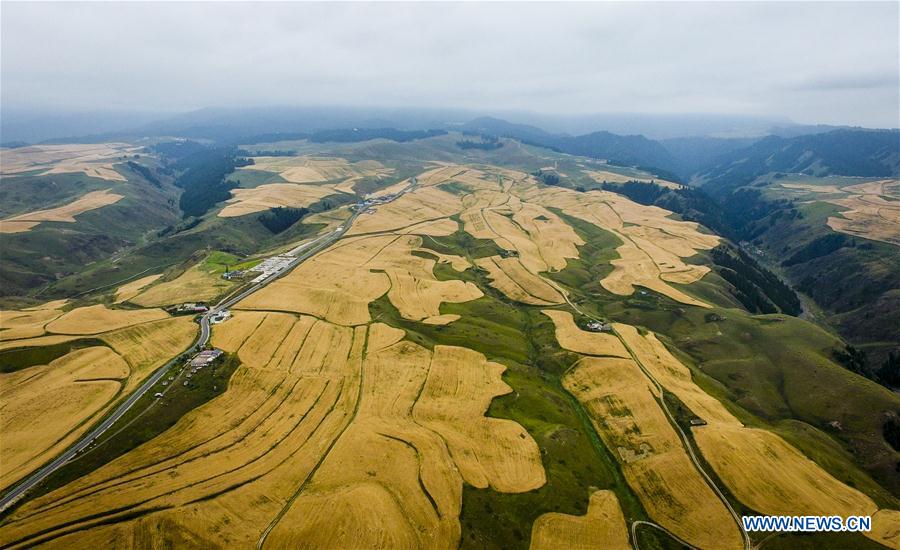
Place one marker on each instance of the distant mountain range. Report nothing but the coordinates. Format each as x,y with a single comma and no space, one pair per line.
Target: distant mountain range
868,153
711,161
724,161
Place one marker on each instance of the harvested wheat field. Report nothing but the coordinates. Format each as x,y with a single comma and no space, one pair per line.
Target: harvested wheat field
194,285
572,338
621,404
66,213
602,527
130,290
273,195
98,318
60,398
303,169
94,160
761,469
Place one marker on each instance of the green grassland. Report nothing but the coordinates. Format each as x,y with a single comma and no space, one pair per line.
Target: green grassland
27,193
53,250
250,177
855,285
14,359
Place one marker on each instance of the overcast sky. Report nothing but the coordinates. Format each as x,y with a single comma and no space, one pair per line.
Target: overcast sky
812,62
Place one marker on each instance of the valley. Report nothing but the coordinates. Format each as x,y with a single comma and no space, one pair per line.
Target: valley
464,356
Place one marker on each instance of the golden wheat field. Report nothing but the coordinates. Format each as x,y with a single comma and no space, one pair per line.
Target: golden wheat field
277,456
511,278
65,396
195,284
264,197
59,398
129,290
99,318
613,177
28,323
572,338
65,213
602,527
339,283
308,169
422,205
872,211
340,430
94,160
653,248
758,467
623,409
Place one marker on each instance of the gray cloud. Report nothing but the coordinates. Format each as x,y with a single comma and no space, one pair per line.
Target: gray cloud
849,82
813,62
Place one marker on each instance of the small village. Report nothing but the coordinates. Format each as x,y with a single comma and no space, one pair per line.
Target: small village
188,370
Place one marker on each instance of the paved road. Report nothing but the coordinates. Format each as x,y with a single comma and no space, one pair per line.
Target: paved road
310,249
